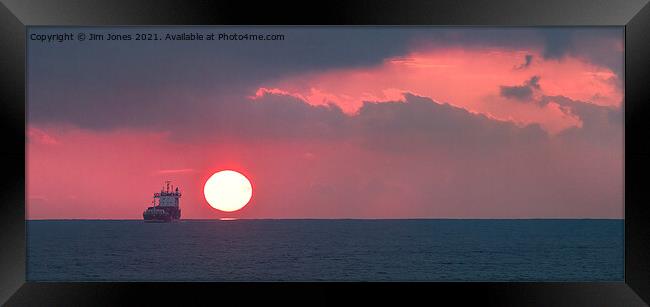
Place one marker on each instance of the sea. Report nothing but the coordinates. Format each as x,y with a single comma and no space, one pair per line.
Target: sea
326,250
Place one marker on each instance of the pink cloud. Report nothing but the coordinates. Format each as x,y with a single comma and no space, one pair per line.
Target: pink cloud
470,79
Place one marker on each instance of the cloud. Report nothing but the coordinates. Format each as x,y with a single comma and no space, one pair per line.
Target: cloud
420,124
601,125
604,47
276,116
558,42
522,92
528,59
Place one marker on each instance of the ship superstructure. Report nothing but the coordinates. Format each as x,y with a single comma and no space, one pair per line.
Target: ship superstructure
164,206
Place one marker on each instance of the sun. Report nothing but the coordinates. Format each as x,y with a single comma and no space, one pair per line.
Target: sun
228,191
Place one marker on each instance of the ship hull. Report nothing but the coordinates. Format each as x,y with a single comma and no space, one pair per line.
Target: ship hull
157,219
161,215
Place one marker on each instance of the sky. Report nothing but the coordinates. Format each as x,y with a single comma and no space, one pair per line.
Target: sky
331,122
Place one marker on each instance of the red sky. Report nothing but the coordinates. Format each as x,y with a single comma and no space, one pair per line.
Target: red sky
466,128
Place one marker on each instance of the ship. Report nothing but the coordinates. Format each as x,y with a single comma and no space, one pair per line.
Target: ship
164,206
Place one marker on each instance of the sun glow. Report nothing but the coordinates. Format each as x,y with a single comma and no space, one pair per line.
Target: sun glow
228,191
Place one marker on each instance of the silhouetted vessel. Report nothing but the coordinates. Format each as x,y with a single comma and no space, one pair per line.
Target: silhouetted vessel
167,208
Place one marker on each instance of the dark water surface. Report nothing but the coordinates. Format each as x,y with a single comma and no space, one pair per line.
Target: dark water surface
306,250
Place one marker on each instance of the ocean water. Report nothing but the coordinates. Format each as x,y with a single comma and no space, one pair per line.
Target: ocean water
328,250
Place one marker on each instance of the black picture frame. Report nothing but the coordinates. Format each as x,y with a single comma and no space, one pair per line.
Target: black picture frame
16,15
